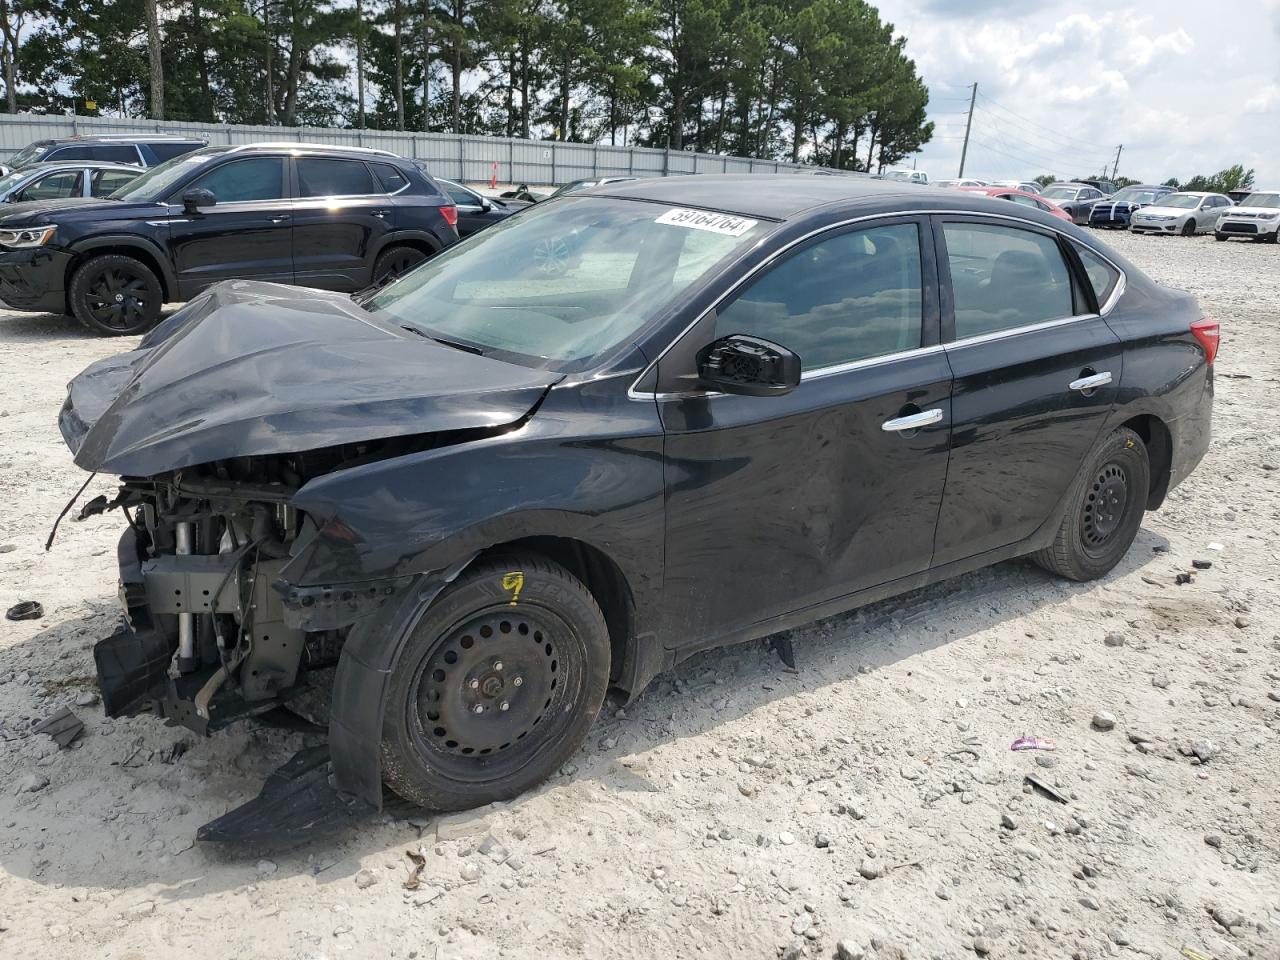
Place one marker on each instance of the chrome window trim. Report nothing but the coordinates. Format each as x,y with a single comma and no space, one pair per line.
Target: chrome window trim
1103,310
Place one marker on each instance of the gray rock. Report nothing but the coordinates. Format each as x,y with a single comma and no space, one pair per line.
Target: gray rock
848,950
8,547
1274,695
913,771
1090,904
366,879
266,867
801,923
981,946
794,951
470,871
870,869
1118,937
32,783
1160,681
1008,822
786,838
1114,639
822,841
1103,721
1205,750
1046,761
87,698
1213,840
942,893
1242,622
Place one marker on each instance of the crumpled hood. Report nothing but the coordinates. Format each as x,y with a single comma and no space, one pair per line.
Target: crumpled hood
250,368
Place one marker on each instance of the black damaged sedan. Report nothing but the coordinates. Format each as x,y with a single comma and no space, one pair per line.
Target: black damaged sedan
620,428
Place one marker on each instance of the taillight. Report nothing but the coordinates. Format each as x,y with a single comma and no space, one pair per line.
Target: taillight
450,214
1206,331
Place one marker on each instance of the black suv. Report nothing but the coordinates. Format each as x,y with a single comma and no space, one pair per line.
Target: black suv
330,217
144,150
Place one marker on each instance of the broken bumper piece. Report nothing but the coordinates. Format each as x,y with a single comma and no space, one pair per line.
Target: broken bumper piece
297,802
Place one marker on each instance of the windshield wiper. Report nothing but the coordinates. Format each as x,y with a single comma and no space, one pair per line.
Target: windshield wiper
464,347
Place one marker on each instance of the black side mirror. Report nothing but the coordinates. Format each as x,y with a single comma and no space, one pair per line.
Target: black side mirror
748,366
193,200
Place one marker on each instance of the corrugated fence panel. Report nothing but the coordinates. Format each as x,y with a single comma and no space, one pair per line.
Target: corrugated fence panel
535,162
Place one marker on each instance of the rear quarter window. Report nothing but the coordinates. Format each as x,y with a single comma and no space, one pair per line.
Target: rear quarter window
389,178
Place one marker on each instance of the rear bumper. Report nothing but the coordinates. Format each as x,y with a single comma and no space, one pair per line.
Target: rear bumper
1192,433
34,279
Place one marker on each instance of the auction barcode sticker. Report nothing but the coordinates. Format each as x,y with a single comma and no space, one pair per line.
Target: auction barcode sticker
725,223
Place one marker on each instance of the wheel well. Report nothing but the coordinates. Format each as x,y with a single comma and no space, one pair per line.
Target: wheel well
599,574
420,245
140,254
1159,445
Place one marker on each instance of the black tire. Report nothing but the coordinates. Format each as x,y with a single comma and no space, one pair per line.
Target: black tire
394,262
1189,228
116,295
1106,504
1219,236
521,631
1275,237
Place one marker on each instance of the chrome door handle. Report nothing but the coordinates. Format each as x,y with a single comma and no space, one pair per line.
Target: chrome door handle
1085,384
382,214
913,422
280,219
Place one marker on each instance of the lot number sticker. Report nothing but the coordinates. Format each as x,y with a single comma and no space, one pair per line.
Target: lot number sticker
723,223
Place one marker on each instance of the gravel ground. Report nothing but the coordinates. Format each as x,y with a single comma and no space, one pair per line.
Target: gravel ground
867,805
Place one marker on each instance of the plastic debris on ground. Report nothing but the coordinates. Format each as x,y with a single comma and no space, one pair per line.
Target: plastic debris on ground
64,727
1033,743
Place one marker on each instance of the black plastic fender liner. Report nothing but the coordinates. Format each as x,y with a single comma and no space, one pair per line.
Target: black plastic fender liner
364,669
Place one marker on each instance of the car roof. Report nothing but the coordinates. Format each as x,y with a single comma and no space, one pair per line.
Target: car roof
125,138
771,196
44,165
294,145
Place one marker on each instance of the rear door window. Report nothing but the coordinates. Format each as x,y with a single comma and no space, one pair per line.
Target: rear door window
851,297
116,153
109,181
1004,277
254,178
167,151
319,177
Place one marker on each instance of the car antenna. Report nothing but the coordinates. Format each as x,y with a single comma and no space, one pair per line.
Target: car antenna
67,509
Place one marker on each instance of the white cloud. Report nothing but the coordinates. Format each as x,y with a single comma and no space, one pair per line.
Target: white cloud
1060,88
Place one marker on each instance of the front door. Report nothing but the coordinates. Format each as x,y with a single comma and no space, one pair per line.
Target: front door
339,219
245,234
1036,373
777,504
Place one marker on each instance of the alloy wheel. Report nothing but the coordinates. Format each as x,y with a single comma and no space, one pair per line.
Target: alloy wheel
118,298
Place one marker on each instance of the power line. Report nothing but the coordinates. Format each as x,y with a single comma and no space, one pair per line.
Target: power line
1066,140
1090,155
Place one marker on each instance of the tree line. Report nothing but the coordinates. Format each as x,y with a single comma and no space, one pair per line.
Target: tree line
822,81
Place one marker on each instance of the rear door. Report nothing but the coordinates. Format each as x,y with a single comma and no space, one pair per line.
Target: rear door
1036,372
339,218
246,234
779,504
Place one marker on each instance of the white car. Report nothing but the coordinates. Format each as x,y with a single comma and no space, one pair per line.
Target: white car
966,182
1027,186
1184,213
907,176
1257,217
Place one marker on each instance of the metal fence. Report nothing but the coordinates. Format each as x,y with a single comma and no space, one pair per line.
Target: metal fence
542,162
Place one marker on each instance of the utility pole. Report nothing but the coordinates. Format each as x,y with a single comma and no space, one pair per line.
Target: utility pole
1116,168
967,126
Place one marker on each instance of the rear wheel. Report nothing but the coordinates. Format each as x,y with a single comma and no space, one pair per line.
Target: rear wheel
1189,228
395,262
1220,237
498,685
115,295
1105,510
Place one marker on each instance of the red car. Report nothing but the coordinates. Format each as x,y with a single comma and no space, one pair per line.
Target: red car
1022,197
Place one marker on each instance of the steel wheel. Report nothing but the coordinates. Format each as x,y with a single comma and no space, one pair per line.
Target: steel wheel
1104,506
116,295
496,685
487,686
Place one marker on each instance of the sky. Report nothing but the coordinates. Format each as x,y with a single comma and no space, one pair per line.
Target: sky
1187,86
